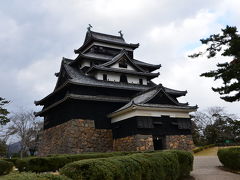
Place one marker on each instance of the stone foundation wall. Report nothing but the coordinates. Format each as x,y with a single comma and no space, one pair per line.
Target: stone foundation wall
75,136
133,143
183,142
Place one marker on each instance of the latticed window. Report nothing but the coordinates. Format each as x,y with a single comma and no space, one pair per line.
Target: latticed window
144,122
123,78
123,63
105,77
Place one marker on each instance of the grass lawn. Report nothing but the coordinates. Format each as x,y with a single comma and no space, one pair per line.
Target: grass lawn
211,151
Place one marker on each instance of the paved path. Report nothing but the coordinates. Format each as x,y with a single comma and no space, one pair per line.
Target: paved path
206,168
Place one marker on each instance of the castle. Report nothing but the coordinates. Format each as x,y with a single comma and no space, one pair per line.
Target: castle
105,100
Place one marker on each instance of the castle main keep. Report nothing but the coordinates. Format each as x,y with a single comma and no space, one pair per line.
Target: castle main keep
105,100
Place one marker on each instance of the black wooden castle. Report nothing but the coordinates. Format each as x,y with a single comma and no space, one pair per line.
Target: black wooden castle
107,85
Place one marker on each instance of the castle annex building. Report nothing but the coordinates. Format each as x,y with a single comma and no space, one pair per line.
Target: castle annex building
105,100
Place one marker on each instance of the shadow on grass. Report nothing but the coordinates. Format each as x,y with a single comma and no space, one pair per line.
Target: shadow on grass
228,170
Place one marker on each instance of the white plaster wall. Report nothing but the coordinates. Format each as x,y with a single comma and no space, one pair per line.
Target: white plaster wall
155,113
85,63
113,77
135,79
144,81
98,76
110,76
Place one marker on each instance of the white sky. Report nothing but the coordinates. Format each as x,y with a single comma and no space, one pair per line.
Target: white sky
35,35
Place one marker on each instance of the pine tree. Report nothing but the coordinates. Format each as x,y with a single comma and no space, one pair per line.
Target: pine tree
3,112
227,44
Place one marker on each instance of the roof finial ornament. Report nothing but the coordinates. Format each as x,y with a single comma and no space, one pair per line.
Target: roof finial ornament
120,32
89,27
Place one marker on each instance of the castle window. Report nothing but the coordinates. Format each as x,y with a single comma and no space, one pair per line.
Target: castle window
122,63
105,77
123,78
141,81
91,64
144,122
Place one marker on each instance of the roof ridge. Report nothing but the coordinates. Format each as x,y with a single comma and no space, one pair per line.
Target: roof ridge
150,89
159,87
109,35
175,90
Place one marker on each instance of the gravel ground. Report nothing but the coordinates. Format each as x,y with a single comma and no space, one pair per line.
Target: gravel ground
207,168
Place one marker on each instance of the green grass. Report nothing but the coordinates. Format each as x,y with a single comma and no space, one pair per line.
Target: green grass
211,151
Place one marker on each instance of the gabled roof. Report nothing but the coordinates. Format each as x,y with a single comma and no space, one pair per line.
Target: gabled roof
77,77
105,58
101,68
147,65
107,37
92,36
144,99
174,92
107,66
119,57
62,69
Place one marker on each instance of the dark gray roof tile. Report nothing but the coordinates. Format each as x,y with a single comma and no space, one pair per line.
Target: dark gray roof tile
107,37
78,77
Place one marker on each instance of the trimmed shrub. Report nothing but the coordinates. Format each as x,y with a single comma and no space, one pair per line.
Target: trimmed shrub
5,167
198,149
22,164
55,162
147,166
13,160
230,157
185,160
33,176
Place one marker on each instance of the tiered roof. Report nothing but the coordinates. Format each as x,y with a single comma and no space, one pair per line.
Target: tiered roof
71,74
92,36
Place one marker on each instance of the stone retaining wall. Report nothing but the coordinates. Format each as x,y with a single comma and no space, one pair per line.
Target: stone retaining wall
78,135
133,143
183,142
75,136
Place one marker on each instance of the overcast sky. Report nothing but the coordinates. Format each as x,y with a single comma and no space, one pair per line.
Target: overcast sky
35,35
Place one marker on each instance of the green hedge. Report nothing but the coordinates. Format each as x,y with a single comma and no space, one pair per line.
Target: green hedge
230,157
185,160
55,162
33,176
13,160
198,149
168,165
5,167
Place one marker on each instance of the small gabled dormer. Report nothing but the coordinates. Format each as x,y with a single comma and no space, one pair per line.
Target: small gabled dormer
121,69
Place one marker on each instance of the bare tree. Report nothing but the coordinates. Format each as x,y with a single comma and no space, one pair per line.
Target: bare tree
24,126
207,117
214,125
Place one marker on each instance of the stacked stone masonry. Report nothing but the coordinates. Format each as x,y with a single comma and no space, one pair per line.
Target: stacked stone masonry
183,142
133,143
75,136
80,135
